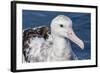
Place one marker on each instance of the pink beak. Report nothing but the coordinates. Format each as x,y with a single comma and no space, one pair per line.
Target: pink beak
72,36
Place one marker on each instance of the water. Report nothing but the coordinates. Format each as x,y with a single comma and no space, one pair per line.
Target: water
81,26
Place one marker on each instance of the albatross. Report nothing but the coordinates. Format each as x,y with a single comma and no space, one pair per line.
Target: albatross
43,44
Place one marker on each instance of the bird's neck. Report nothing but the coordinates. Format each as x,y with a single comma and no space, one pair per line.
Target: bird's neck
60,44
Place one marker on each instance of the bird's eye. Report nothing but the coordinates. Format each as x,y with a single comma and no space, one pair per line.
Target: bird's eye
61,25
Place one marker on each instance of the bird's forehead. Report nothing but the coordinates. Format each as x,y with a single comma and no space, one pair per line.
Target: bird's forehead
62,19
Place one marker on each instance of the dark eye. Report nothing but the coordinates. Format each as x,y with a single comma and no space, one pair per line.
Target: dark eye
61,25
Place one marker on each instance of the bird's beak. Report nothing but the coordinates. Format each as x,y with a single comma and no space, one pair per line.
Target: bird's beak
72,36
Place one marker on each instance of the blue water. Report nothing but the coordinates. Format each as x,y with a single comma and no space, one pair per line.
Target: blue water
81,26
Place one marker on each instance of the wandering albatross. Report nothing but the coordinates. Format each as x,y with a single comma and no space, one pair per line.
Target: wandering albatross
43,44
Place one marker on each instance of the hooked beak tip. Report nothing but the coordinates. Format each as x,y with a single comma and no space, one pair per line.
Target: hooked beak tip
82,45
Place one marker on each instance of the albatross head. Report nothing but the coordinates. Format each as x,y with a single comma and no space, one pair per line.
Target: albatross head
62,26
